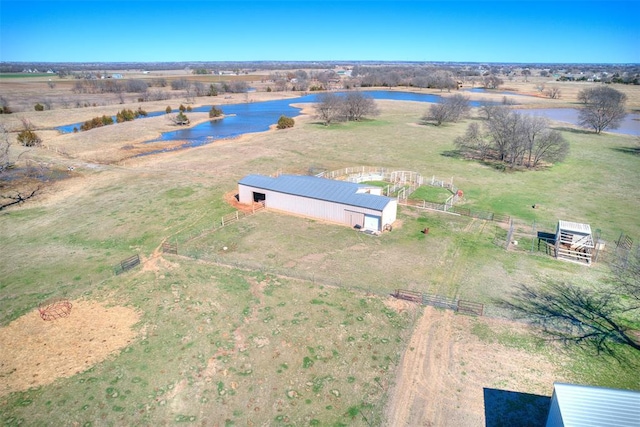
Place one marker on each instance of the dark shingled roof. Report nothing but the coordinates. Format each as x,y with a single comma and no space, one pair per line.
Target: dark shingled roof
318,188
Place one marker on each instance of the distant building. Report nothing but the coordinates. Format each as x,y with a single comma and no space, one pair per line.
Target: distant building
348,203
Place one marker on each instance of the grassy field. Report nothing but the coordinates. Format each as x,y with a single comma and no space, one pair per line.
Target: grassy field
290,324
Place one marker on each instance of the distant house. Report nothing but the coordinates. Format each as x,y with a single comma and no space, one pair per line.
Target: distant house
116,76
579,406
342,202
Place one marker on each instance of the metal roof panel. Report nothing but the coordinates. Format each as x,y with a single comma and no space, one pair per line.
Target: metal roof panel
597,406
318,188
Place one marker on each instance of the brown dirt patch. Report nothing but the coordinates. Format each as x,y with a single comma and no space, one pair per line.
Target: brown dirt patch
230,198
445,369
37,352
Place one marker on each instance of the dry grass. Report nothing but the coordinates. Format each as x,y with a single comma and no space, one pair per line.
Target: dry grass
207,322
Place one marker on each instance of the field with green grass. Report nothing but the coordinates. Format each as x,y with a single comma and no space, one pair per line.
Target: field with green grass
291,323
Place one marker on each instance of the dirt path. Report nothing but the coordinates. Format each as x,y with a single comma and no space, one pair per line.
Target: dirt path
446,371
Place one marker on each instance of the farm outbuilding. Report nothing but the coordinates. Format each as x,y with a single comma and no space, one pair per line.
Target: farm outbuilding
575,405
574,242
348,203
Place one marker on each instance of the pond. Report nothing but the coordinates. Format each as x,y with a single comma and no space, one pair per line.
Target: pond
254,117
258,117
493,91
630,124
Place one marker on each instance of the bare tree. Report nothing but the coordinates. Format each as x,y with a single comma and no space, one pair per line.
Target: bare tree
442,79
4,106
179,84
328,108
474,143
160,82
449,109
189,93
15,197
553,93
541,142
356,105
604,108
18,192
5,147
137,86
513,138
200,89
492,82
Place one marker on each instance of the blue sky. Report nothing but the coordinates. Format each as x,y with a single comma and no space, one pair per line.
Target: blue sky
184,30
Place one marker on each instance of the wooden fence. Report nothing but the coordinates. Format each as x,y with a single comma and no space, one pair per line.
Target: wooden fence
471,308
439,301
127,264
461,306
237,215
169,248
449,208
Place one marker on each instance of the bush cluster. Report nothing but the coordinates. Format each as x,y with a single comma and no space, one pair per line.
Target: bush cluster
127,115
97,122
124,115
29,138
215,112
285,122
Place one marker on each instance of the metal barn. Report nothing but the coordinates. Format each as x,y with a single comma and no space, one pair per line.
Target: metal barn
574,242
579,406
337,201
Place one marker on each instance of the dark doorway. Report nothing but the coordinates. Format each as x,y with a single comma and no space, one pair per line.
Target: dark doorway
259,197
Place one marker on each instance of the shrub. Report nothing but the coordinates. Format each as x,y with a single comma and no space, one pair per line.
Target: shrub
189,108
4,106
182,108
180,119
215,112
39,107
126,115
107,120
168,109
29,138
285,122
141,113
90,124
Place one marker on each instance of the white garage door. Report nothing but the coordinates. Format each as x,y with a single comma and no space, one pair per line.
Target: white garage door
371,222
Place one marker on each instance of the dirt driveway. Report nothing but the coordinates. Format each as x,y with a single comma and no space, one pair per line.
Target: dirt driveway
447,372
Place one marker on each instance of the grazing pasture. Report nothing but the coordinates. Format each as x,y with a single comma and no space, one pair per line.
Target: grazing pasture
281,320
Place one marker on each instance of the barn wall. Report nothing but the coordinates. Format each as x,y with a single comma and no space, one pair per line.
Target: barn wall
313,208
554,418
389,213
